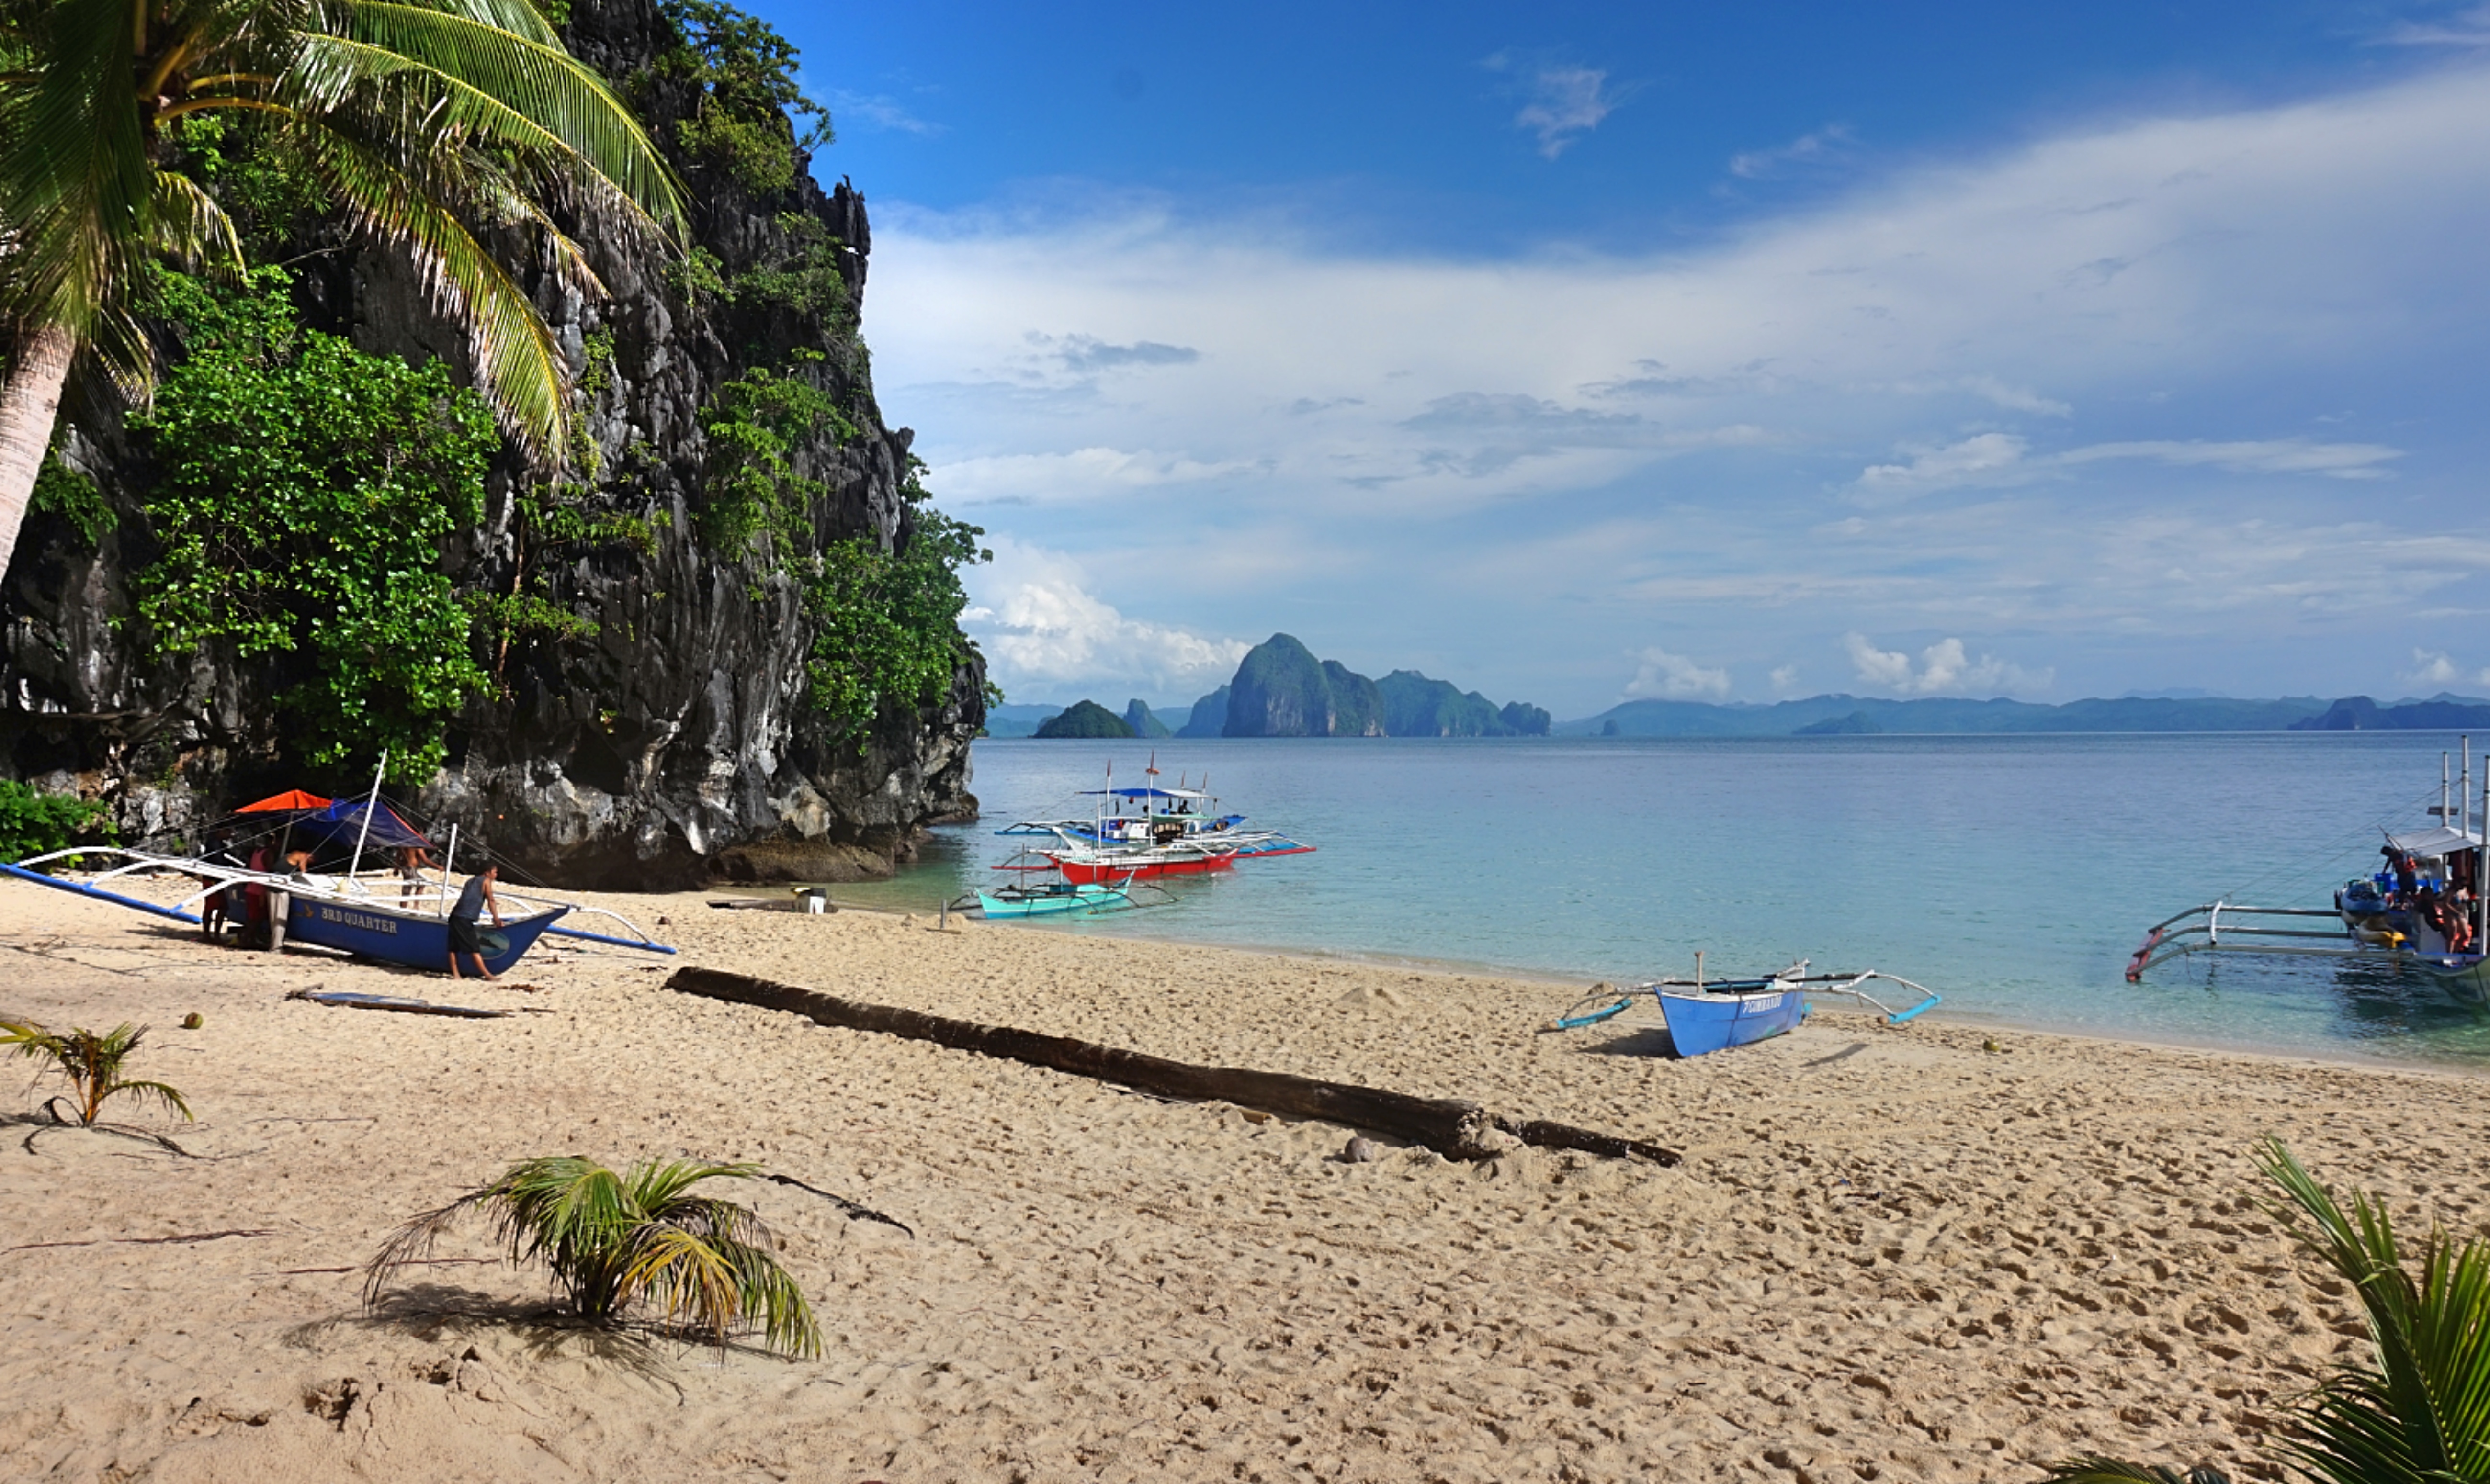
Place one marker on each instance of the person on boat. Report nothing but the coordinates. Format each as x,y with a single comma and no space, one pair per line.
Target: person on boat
2407,874
474,899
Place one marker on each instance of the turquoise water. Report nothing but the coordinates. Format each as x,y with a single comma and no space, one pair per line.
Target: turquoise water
2015,875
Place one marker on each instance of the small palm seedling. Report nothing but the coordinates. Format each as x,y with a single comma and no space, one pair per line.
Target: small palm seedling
615,1241
92,1064
2418,1410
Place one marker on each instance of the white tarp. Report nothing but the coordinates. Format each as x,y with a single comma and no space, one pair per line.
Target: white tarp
2436,840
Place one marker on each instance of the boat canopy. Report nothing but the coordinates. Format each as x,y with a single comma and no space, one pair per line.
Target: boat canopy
2434,841
292,801
1147,793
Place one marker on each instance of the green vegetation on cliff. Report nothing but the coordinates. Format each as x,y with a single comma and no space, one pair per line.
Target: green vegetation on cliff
303,493
1083,719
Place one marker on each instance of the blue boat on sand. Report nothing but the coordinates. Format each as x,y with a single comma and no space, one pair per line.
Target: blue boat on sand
1708,1014
416,939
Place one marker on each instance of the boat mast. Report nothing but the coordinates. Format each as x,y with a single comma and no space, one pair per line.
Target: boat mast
2463,787
369,805
446,856
2442,788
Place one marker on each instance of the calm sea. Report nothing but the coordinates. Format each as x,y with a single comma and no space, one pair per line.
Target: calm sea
2015,875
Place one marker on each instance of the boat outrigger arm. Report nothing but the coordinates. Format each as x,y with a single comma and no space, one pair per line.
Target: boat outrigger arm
1792,978
347,891
2228,927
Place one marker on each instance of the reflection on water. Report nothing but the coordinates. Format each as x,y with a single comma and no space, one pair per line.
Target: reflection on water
2015,875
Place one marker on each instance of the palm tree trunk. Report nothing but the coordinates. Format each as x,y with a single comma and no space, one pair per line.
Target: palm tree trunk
30,403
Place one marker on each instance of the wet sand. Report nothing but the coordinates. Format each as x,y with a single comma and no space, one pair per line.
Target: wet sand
1888,1254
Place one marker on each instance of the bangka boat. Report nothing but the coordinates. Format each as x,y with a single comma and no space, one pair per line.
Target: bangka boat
1045,898
372,914
1704,1015
2426,910
1153,818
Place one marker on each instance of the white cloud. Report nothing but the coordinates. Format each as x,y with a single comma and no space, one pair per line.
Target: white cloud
1998,458
1674,675
2433,666
1083,474
2270,456
2468,30
1784,679
1040,627
1609,445
1826,143
881,112
1983,458
1565,103
1944,668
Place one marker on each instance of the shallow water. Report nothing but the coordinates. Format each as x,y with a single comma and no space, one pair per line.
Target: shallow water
2015,875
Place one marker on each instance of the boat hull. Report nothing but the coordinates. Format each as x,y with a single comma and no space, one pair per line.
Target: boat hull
415,939
1700,1024
1080,899
1084,872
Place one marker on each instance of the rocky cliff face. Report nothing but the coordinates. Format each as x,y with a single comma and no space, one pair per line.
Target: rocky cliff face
669,744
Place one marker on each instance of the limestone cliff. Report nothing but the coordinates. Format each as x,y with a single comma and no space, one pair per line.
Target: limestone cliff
668,743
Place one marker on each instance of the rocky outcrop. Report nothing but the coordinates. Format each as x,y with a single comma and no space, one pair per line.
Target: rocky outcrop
1281,690
1416,706
1082,718
671,742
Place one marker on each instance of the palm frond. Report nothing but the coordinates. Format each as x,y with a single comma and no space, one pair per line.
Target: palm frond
2092,1469
76,188
505,85
193,229
156,1091
521,368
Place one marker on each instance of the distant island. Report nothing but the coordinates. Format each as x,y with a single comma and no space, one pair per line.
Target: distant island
1281,690
1824,716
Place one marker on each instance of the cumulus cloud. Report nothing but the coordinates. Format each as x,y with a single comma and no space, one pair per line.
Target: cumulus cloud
1944,668
1784,679
1677,677
2433,666
1042,629
1566,102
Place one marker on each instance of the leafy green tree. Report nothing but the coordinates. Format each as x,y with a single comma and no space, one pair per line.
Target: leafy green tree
2417,1412
615,1241
92,1065
749,98
415,117
303,489
35,823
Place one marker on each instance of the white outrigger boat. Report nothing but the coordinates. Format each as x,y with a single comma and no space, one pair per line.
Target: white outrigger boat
374,914
2427,910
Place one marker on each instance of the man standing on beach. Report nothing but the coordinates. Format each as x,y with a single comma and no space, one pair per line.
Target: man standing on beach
474,900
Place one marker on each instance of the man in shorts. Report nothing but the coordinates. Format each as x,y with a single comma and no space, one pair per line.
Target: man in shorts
474,901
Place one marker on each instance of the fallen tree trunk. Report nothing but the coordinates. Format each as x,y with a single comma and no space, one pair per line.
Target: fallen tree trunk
1454,1128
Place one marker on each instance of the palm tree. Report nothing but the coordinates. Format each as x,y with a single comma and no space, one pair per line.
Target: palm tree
92,1064
614,1240
2418,1411
421,117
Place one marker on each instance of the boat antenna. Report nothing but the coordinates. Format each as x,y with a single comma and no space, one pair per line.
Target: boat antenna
369,806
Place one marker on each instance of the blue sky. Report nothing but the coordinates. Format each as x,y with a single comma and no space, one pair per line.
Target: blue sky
1578,353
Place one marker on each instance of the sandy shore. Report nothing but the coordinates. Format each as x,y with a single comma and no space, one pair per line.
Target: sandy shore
1890,1254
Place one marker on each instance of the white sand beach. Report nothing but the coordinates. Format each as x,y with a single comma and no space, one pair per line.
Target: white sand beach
1890,1254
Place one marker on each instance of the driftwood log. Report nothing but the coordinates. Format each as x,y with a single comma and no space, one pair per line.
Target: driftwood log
1454,1128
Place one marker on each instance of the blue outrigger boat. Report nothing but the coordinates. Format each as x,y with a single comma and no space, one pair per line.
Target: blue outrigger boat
1704,1015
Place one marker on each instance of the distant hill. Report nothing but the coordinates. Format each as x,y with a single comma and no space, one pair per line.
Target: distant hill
1281,690
1209,717
1083,719
1145,722
1016,720
1861,715
2358,713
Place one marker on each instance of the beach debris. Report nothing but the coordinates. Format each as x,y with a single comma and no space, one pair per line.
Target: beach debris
1991,1046
1454,1128
856,1213
194,1020
350,999
1361,1150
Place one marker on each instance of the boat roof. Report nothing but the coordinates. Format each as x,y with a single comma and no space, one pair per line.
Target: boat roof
2436,840
291,800
1148,793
